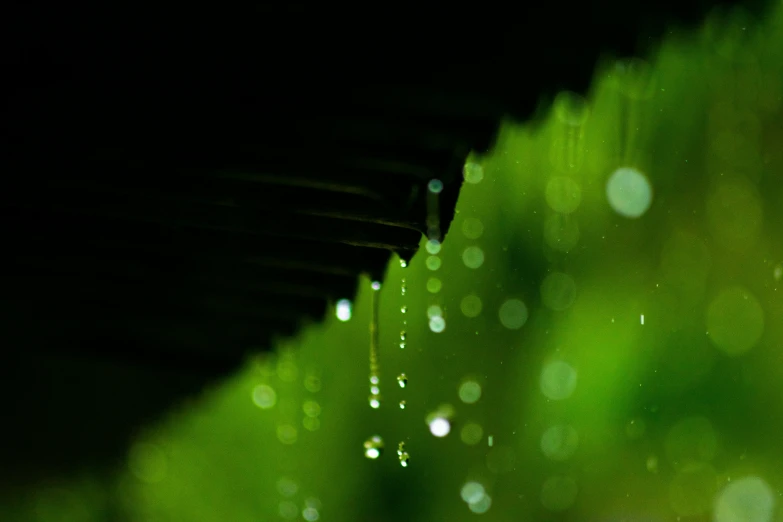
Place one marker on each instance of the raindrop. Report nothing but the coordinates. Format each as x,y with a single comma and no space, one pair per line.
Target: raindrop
558,291
629,192
472,492
343,310
469,392
563,194
433,263
375,399
513,314
472,228
288,510
559,442
735,321
433,246
471,305
373,447
473,257
439,426
403,335
434,311
749,499
435,186
471,433
437,324
482,506
287,487
402,346
264,396
402,380
310,514
558,380
376,285
403,263
402,404
434,285
311,408
404,309
473,172
287,434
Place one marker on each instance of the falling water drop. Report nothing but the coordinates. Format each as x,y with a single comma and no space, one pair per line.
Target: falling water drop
404,309
402,346
402,404
375,397
403,335
403,263
373,447
402,380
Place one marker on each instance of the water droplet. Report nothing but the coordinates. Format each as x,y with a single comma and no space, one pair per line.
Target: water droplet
400,448
439,426
433,246
471,306
404,459
472,228
343,310
402,346
434,311
435,186
311,408
402,380
402,404
434,285
375,402
437,324
403,263
264,396
373,447
404,309
374,379
376,285
473,257
403,335
472,492
629,192
433,263
473,172
469,391
513,314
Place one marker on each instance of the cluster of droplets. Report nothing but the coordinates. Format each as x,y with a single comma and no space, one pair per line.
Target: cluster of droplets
375,379
402,455
434,285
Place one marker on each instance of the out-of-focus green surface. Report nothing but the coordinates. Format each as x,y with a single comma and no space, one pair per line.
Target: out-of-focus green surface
646,382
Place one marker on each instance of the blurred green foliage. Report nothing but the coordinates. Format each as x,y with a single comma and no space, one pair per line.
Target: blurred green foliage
644,383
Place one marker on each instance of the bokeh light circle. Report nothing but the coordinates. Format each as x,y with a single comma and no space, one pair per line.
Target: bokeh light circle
629,192
735,320
513,314
558,380
558,291
471,305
